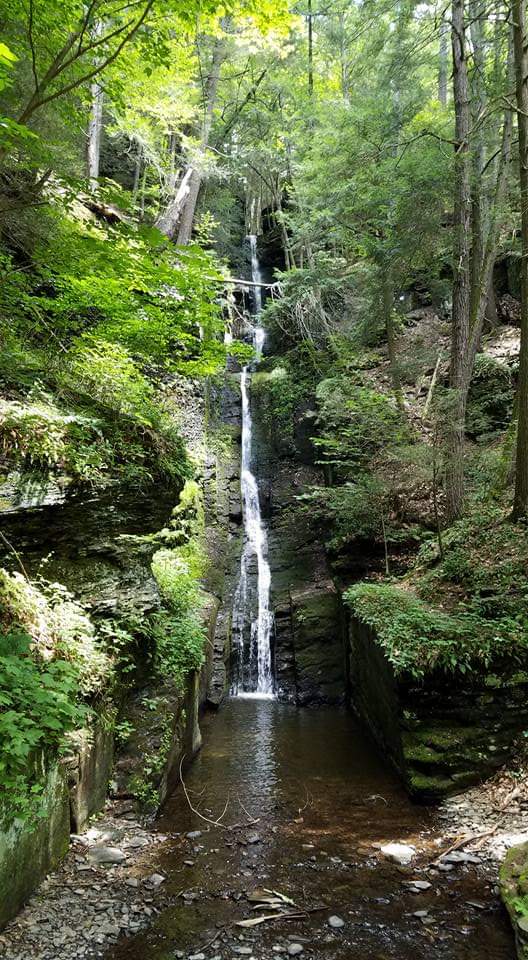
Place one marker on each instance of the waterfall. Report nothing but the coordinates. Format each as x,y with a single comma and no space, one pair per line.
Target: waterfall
252,627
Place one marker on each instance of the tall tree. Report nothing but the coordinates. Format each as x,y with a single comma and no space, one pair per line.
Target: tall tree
520,503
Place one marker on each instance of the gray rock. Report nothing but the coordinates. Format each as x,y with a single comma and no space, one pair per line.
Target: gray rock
106,855
336,922
155,880
295,949
193,834
458,856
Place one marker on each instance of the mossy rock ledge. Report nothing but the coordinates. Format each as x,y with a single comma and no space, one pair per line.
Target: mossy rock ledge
442,733
514,893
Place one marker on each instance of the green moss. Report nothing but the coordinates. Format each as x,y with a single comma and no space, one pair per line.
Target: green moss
425,787
513,880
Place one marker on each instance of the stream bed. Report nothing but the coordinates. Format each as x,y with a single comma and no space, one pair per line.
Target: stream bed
323,803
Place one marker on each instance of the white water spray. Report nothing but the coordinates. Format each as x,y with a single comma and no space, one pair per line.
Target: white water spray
259,679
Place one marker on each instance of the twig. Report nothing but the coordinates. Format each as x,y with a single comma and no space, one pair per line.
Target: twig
432,384
511,796
16,554
462,841
484,837
214,823
248,815
214,939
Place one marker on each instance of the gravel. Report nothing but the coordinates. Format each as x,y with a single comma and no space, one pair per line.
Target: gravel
103,888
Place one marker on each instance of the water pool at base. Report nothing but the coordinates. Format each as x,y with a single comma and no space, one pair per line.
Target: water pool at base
307,777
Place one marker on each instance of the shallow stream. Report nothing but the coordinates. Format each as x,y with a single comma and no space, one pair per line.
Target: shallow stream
323,802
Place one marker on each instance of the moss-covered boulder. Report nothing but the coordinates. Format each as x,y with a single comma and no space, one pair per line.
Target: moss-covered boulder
514,893
442,731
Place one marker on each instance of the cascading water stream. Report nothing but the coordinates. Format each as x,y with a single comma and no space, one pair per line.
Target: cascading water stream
253,672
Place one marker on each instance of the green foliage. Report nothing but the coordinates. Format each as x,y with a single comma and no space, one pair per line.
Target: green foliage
490,401
38,702
38,436
485,565
283,389
178,632
418,639
109,424
356,422
350,512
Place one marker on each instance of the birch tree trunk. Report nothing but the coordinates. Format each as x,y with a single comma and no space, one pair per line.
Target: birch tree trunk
95,124
93,141
520,502
177,220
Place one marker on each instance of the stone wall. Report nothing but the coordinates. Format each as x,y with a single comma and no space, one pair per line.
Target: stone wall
444,733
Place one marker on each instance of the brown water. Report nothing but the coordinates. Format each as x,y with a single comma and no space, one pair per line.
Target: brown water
308,777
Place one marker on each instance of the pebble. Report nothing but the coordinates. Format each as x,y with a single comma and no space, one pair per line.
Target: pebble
416,886
336,922
193,834
295,949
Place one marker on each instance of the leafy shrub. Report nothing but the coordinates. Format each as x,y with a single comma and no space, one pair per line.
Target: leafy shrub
38,707
355,423
417,639
178,632
490,401
58,627
485,560
38,436
352,511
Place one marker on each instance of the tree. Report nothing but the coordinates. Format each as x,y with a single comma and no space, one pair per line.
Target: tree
520,503
476,225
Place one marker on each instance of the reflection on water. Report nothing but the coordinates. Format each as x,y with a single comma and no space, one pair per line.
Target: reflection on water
308,777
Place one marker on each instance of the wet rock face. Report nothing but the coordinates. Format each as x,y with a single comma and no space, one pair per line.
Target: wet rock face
308,636
90,542
514,893
441,735
308,642
223,517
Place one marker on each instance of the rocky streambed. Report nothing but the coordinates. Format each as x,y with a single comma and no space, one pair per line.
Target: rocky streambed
296,820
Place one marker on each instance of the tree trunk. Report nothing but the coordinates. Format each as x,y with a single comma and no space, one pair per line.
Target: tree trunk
95,129
388,317
137,171
177,220
520,501
95,124
461,262
310,49
478,100
442,63
185,226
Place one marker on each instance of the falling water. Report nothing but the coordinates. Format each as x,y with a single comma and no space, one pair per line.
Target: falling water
254,669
